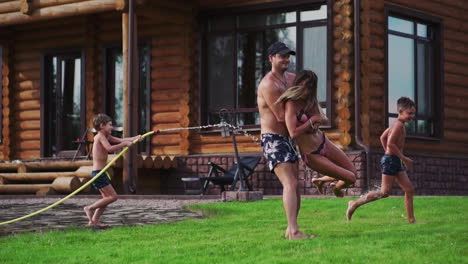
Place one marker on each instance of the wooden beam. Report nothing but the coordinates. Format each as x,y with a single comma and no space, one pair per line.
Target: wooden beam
66,184
73,9
22,188
26,7
36,176
11,6
160,14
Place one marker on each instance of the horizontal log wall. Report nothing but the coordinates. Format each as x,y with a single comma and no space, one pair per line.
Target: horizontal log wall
455,24
6,94
30,42
169,25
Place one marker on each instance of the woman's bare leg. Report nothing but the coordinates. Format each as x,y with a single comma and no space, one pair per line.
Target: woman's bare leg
335,164
318,182
337,156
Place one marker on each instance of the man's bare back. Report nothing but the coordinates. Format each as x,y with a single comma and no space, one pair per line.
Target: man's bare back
272,115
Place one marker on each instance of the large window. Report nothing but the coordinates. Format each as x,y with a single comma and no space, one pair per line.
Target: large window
413,70
113,92
235,58
62,107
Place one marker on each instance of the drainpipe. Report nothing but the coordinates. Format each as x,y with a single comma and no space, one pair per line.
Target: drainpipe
357,89
129,170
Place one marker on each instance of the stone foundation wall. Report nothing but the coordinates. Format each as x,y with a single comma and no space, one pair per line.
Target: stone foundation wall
431,175
262,179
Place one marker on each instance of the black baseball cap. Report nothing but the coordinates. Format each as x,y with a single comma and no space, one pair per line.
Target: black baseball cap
279,48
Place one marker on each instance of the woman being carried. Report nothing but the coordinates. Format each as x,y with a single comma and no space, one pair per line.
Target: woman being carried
303,117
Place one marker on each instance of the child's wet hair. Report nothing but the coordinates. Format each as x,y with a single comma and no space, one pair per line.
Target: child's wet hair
100,119
405,103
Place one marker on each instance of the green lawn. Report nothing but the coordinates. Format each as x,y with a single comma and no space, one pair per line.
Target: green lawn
252,233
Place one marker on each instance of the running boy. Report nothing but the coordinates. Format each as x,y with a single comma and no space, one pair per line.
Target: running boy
394,162
101,147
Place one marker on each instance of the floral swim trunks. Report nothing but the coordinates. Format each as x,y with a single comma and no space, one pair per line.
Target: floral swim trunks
278,149
391,165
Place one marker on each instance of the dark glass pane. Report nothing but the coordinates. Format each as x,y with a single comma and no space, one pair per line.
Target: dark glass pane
144,92
314,14
258,20
422,30
213,118
249,68
285,35
70,102
220,72
248,119
315,57
118,82
401,25
53,106
401,76
391,120
222,23
410,127
425,127
425,77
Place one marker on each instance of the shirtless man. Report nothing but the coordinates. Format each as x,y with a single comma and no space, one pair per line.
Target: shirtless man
393,162
278,147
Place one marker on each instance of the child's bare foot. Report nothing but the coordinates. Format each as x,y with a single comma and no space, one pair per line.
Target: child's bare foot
350,211
411,220
99,224
318,184
89,214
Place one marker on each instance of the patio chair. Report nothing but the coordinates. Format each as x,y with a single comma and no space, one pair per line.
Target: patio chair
219,176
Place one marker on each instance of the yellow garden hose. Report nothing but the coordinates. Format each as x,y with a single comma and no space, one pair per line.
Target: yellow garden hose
82,187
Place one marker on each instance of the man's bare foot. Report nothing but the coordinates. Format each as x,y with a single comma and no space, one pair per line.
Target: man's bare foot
89,215
411,220
318,184
298,235
350,210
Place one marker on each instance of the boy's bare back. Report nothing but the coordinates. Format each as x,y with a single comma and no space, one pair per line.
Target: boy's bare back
99,152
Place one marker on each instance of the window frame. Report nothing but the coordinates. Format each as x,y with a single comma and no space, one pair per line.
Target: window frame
108,84
45,119
267,8
436,23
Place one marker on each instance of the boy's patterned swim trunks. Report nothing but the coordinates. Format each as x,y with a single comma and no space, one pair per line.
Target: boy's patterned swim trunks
278,149
391,165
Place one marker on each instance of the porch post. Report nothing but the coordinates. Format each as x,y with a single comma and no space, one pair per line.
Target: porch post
129,170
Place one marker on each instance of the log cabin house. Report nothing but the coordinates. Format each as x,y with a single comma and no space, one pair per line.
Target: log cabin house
157,64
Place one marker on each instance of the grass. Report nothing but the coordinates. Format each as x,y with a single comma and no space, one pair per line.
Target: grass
252,233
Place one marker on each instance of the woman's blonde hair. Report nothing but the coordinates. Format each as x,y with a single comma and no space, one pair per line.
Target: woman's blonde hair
304,89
